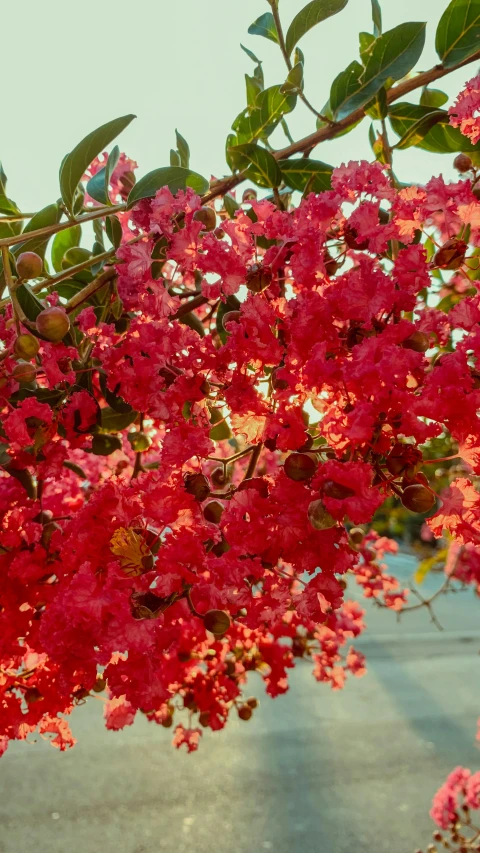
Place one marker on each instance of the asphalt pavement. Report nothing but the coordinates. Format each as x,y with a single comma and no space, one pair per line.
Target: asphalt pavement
313,771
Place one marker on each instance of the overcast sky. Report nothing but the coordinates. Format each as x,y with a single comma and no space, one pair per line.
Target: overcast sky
69,67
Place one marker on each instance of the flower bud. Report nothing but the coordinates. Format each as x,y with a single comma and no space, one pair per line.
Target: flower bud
258,278
26,346
204,719
198,486
139,442
29,265
278,384
245,712
217,622
207,216
230,317
350,236
451,255
252,702
418,498
318,516
462,163
357,535
24,372
32,695
418,342
258,483
100,684
213,511
299,467
331,489
53,323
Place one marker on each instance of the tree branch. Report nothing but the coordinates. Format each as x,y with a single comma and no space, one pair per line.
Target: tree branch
324,133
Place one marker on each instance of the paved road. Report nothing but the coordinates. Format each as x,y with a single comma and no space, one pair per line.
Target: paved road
313,772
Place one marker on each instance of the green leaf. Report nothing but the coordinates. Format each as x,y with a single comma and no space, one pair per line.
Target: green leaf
230,205
376,18
113,421
193,322
104,445
366,41
62,242
50,215
264,26
75,163
75,255
174,157
258,164
253,87
113,230
294,81
303,172
378,107
220,428
29,303
183,150
441,139
271,105
419,129
458,32
174,177
251,55
433,98
392,55
98,186
313,13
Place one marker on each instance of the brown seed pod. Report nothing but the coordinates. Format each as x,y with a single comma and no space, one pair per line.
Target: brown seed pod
100,684
299,467
245,712
207,216
24,372
213,511
258,483
26,346
357,535
331,489
258,278
252,702
217,622
220,476
278,384
418,342
231,317
418,498
32,695
29,265
318,516
350,235
197,485
451,255
53,323
462,163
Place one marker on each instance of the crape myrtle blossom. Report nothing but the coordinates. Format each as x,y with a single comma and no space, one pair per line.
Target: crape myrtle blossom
172,518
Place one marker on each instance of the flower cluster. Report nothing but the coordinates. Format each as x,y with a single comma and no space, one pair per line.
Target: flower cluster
187,455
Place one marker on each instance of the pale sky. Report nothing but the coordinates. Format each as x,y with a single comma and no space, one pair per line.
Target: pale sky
69,67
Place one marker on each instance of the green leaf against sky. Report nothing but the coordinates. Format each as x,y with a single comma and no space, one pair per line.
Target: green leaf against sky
174,177
458,32
313,13
62,242
441,139
302,172
260,121
392,56
264,26
259,165
98,186
417,132
77,161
